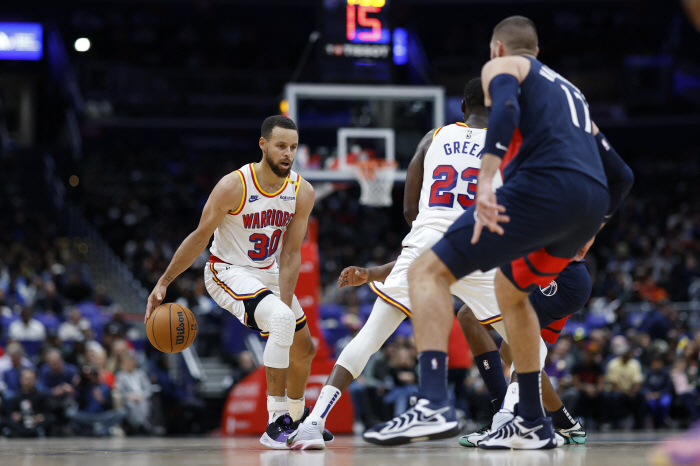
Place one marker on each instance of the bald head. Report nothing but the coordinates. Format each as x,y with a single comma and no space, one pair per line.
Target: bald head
518,35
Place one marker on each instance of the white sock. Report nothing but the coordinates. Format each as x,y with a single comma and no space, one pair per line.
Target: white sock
276,406
326,400
296,408
512,397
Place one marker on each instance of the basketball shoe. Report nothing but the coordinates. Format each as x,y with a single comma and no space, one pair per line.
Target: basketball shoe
308,436
573,435
328,437
520,434
277,432
501,417
423,421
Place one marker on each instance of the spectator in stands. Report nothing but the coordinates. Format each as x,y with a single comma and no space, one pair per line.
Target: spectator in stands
57,376
101,298
624,373
658,391
685,390
72,329
60,380
117,326
11,377
117,350
588,378
135,390
49,300
78,354
405,380
97,357
95,414
29,410
181,408
27,328
76,289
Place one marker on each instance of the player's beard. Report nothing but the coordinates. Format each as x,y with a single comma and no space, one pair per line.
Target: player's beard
276,169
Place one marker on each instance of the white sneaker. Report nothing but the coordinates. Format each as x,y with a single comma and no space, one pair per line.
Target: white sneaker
309,436
501,418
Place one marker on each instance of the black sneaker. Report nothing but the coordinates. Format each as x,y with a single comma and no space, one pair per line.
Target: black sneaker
328,437
276,434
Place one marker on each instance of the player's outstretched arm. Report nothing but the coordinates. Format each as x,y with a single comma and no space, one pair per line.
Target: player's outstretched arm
356,276
290,257
229,190
414,178
619,174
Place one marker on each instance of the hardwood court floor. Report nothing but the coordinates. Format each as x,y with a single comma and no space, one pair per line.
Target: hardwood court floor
612,449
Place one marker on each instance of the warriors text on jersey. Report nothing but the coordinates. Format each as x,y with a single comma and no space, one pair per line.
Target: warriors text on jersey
450,170
251,234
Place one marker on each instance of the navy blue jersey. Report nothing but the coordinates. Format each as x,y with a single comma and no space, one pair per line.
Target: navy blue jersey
565,295
555,125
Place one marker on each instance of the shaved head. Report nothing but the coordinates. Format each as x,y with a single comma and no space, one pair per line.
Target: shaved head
518,35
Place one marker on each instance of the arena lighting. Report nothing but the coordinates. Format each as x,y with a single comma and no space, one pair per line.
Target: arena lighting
82,44
400,46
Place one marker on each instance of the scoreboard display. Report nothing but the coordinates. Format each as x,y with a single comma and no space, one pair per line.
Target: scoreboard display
357,43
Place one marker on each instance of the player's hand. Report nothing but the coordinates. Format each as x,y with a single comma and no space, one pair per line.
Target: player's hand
353,276
488,213
156,297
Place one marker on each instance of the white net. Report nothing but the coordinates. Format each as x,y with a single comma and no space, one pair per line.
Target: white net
376,180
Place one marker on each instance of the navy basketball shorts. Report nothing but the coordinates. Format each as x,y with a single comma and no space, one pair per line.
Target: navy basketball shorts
564,296
553,213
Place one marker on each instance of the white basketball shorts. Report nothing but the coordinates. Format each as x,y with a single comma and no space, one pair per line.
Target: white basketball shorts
476,289
229,285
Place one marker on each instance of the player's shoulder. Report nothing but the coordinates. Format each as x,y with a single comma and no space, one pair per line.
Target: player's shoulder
516,65
304,189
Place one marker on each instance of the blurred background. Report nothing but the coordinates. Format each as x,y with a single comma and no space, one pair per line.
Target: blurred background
118,117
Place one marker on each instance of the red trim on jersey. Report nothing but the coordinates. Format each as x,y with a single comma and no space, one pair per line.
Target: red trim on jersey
260,190
513,149
546,264
540,268
551,333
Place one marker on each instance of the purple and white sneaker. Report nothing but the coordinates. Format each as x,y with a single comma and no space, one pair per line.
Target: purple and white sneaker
277,432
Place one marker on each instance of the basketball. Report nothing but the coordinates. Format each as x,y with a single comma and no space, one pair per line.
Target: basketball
171,328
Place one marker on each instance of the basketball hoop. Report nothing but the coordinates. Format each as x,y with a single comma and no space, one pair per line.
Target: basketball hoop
376,178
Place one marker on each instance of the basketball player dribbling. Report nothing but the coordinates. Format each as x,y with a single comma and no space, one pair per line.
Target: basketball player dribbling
554,199
249,212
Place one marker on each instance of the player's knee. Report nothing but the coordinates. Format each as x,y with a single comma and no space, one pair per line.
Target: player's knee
304,349
429,267
281,326
466,317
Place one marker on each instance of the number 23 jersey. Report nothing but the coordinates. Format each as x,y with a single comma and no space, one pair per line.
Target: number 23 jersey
450,171
250,235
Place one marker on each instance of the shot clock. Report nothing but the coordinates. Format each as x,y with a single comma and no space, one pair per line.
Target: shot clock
356,40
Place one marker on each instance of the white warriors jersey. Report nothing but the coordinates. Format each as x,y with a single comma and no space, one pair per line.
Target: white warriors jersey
450,171
250,235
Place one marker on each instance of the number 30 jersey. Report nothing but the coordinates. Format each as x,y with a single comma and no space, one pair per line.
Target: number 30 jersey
450,172
249,236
